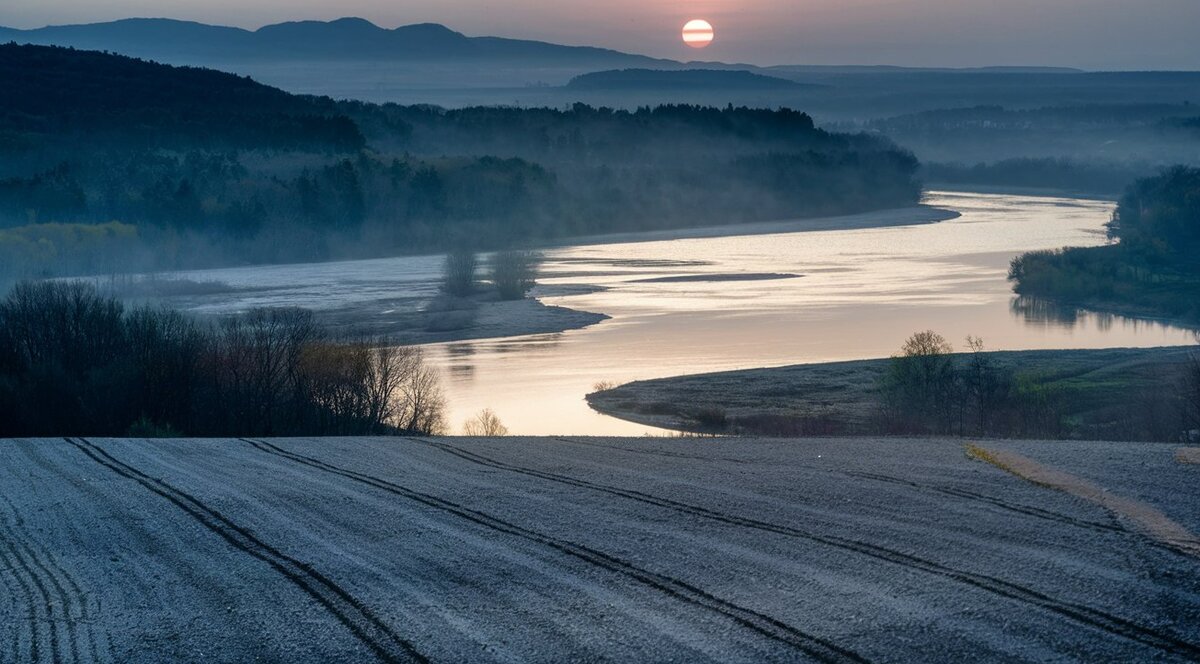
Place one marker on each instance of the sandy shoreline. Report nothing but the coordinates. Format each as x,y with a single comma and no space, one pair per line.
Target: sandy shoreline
479,320
906,216
531,316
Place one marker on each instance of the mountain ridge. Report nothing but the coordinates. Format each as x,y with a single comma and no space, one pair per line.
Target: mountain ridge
351,38
347,38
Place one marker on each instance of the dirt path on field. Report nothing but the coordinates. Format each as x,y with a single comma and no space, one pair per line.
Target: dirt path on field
1144,516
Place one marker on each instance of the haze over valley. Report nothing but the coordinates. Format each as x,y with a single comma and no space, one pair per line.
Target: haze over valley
829,331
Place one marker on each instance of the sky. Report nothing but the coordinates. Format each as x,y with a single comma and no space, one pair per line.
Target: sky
1092,34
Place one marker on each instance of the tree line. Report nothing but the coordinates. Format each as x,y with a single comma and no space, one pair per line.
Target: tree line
927,389
1151,268
212,168
76,362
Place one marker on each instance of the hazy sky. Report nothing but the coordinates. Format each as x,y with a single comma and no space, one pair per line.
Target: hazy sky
1118,34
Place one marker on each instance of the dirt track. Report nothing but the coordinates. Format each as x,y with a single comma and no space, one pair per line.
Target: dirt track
539,549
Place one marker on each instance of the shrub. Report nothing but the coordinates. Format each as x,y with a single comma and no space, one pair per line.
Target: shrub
459,272
514,273
485,423
146,428
1038,407
709,419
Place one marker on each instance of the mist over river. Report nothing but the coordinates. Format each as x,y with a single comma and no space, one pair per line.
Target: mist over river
702,304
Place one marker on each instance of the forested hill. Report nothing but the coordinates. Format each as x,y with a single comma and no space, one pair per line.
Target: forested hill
101,153
61,93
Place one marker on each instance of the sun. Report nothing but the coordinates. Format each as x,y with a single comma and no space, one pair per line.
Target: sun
698,33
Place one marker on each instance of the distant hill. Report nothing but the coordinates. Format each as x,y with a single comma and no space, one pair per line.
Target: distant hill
342,39
350,39
892,69
354,58
686,79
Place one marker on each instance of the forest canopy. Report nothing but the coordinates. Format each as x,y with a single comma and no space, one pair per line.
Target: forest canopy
198,167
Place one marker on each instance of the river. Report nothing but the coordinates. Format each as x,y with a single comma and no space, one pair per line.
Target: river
707,304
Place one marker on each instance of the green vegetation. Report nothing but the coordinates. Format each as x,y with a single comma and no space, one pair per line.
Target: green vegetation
927,389
71,248
1154,269
210,168
73,362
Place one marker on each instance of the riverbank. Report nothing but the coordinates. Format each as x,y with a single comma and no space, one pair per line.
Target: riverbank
1103,394
1151,269
399,297
446,319
905,216
1014,190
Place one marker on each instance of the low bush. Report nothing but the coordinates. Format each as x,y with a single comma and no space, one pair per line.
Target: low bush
458,276
709,419
514,273
485,423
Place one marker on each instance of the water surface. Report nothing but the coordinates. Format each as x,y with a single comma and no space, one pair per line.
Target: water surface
861,294
702,304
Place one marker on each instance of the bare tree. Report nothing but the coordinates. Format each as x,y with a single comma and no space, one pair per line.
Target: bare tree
372,386
385,378
74,362
65,325
927,344
919,384
57,343
332,393
484,424
421,407
261,356
165,351
986,386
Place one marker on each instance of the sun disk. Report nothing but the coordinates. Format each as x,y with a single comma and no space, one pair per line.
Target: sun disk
698,33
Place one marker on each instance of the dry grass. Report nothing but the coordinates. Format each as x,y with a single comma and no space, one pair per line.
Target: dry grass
1147,518
1188,455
